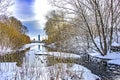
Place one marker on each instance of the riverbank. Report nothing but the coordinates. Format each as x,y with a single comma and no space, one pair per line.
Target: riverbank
32,65
38,55
107,67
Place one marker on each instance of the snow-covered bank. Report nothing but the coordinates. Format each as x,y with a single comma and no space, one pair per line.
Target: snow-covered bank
115,44
38,49
4,50
116,62
34,67
8,50
114,57
52,45
9,71
30,45
64,71
60,54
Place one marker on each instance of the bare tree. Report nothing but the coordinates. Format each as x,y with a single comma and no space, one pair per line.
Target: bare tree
4,5
103,14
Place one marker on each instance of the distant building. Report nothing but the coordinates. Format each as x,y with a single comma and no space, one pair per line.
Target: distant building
38,37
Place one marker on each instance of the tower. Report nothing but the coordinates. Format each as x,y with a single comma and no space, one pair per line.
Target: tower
38,37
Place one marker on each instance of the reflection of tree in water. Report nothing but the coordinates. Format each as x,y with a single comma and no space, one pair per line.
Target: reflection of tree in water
55,60
14,57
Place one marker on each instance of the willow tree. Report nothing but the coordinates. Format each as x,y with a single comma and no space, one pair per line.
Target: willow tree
102,14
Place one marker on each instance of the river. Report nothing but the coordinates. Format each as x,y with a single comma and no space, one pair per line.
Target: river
38,63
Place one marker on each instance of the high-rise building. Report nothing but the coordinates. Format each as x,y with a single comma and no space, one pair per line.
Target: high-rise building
38,37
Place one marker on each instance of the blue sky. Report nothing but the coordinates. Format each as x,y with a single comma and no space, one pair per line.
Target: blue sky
32,14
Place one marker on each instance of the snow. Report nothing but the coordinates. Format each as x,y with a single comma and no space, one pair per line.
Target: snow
30,45
52,45
117,62
75,44
38,49
87,75
60,54
72,72
115,44
5,50
114,57
7,71
64,55
34,67
117,78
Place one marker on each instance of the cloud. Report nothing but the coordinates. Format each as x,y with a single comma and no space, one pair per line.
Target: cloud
32,13
23,10
40,9
30,10
32,27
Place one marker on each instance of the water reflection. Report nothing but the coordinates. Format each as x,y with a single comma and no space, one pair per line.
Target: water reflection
14,57
42,48
55,60
39,47
24,65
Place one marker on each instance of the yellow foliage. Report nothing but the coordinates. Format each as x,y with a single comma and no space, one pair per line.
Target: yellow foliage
10,37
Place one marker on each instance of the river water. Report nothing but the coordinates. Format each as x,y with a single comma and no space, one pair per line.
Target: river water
37,63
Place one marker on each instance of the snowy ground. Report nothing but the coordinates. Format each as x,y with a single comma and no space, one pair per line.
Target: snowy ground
114,57
34,67
9,71
71,72
4,50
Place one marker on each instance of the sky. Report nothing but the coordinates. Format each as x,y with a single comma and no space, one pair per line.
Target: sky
32,14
